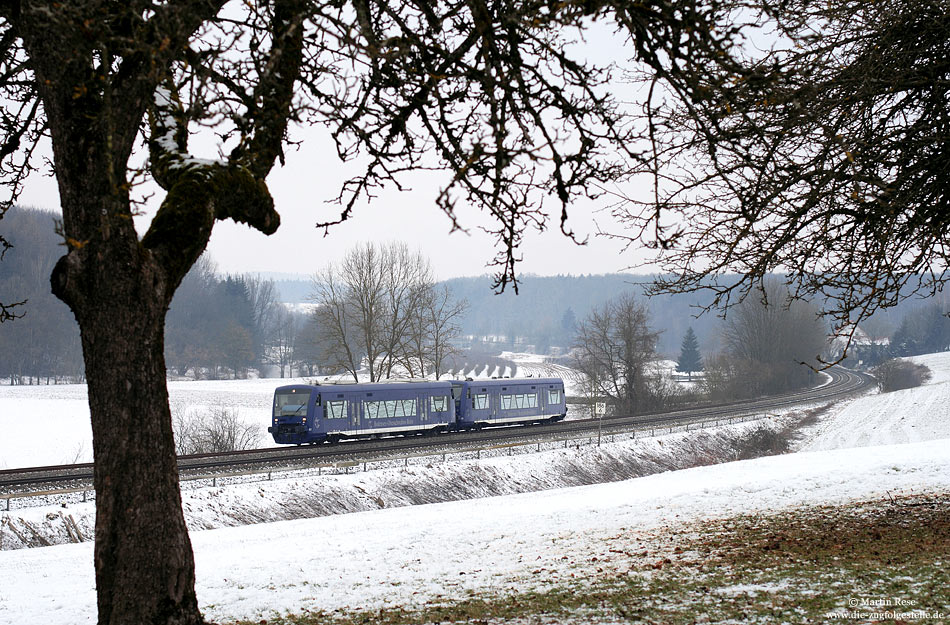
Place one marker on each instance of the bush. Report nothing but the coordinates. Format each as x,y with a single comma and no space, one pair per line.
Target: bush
763,441
212,431
894,375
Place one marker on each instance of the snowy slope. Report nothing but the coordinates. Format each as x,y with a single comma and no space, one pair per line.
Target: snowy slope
409,556
911,415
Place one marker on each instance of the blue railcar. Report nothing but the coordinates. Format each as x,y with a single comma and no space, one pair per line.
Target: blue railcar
482,403
331,412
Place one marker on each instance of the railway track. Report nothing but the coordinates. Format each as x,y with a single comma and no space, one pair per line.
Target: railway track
842,384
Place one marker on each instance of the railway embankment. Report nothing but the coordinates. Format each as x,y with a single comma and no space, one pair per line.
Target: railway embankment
300,496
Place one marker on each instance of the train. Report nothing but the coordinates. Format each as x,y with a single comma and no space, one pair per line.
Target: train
329,412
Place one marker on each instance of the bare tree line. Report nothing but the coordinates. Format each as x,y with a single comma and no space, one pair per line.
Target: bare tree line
381,306
770,344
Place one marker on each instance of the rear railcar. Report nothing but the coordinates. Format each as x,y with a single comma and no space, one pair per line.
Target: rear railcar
509,401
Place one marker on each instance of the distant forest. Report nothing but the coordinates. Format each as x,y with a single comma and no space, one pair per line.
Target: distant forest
546,308
223,320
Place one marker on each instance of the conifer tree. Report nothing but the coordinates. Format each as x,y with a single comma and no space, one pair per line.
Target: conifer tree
690,359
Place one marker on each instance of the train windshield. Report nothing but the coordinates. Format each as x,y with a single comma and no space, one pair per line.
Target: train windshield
291,402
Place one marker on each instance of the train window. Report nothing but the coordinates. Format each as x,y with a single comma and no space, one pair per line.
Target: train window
404,408
439,404
554,396
336,409
371,409
480,401
524,400
291,403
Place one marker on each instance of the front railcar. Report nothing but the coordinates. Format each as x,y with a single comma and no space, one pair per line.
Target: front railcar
294,419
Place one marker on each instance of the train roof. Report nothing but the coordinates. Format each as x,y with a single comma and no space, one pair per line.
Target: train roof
512,381
370,386
342,387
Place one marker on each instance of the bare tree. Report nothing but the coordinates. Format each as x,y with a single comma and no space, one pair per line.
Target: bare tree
264,305
428,346
335,330
444,315
282,338
7,311
311,349
895,375
824,157
776,339
212,430
490,93
381,303
613,347
407,295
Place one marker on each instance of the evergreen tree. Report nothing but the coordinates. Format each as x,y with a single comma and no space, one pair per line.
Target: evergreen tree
568,326
690,359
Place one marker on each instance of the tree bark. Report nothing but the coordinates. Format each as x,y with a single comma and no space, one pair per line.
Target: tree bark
143,556
143,559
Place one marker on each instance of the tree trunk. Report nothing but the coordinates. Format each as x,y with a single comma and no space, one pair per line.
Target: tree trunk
141,537
144,565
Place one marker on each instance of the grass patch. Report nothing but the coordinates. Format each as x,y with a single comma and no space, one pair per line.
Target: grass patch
886,559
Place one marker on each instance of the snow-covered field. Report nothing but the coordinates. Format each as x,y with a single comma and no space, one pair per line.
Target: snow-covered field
48,425
409,556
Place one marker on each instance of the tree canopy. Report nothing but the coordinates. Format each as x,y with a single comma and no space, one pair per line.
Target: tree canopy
824,154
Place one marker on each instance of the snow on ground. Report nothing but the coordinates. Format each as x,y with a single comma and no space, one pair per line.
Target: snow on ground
414,555
539,366
49,424
907,416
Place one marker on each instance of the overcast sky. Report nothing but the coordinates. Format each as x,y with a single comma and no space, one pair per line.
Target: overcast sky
312,176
